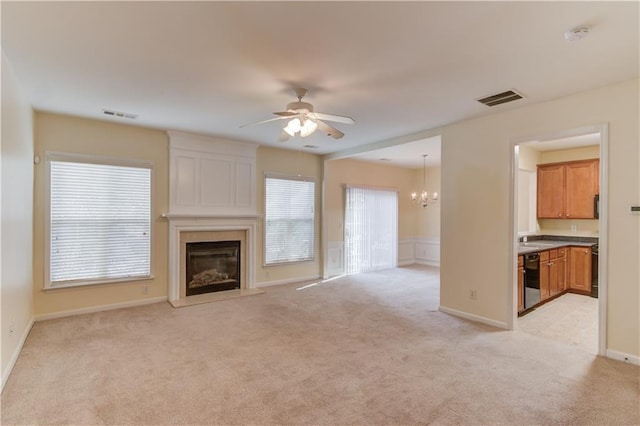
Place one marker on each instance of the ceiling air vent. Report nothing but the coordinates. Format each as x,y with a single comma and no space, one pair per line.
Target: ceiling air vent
500,98
119,114
311,146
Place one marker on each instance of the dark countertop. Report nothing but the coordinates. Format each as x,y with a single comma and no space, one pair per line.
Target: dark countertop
546,242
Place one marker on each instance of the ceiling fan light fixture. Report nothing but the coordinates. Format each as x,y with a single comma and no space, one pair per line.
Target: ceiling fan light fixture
293,127
308,128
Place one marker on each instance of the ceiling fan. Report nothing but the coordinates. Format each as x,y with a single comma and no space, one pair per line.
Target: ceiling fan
303,120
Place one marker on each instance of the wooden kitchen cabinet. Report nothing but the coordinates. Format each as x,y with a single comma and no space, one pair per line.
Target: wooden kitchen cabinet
554,273
579,269
582,185
561,261
551,187
545,275
567,190
520,283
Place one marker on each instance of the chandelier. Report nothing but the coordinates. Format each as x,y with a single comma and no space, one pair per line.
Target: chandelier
424,199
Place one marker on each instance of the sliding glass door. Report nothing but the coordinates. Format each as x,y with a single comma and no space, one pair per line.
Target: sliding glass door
371,229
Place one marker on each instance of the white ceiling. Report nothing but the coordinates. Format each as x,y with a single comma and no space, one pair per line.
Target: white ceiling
396,67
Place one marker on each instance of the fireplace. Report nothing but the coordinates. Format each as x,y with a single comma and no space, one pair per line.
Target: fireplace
212,266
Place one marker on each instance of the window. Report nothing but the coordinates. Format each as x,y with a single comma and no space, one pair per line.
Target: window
289,220
370,229
99,221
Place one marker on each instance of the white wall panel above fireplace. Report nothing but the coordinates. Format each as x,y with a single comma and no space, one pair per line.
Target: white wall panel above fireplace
211,176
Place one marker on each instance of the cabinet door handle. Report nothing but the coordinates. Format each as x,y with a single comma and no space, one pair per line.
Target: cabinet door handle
568,215
560,215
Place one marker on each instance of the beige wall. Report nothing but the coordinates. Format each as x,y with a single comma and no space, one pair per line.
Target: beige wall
354,172
287,162
528,158
572,154
475,178
16,235
77,135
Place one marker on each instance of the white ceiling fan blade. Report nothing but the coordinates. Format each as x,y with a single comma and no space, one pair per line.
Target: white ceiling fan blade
287,114
284,136
329,130
263,121
329,117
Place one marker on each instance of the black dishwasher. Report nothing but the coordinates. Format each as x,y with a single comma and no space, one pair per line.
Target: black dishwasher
531,280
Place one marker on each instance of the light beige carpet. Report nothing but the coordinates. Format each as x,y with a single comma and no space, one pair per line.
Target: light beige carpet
365,349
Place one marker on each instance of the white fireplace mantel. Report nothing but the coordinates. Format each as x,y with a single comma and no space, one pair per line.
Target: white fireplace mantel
183,223
212,187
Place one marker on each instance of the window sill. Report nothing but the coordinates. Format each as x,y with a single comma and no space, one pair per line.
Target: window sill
96,283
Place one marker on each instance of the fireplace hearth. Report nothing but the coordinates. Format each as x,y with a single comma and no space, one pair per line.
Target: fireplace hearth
212,266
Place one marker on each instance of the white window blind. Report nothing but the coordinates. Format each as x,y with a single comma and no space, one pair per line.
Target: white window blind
100,222
289,220
371,229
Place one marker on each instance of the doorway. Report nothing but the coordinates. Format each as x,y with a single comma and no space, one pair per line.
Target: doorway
566,245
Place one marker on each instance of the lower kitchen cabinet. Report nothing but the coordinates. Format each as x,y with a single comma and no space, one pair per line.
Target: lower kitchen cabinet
545,276
580,269
560,270
561,261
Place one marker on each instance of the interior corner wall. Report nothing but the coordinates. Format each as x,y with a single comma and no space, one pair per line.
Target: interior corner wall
476,240
16,235
61,133
287,162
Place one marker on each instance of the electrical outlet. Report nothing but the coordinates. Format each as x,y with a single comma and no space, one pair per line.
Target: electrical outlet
473,295
145,289
574,228
11,328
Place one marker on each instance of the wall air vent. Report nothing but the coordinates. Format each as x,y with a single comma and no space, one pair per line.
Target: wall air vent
119,114
500,98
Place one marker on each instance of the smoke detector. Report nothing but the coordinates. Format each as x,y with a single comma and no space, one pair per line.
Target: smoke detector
576,34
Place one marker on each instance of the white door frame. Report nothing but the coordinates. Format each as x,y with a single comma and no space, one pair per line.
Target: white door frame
603,231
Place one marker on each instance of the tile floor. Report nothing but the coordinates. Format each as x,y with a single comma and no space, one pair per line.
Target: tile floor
571,319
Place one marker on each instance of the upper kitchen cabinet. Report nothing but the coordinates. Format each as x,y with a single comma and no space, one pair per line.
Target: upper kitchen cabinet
567,190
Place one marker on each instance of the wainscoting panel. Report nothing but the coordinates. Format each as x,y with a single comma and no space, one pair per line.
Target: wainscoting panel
218,173
211,176
406,252
428,251
336,258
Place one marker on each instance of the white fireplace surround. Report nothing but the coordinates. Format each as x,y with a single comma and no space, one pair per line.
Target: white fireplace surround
212,188
182,223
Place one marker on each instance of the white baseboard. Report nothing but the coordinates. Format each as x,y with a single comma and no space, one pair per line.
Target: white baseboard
406,262
287,281
621,356
428,262
473,317
100,308
16,353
